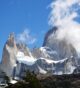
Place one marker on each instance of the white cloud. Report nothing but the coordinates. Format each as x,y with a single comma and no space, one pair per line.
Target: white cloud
63,11
25,37
62,15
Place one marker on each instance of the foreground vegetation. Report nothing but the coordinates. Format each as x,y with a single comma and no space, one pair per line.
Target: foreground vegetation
61,81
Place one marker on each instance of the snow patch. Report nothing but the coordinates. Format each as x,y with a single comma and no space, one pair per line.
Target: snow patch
25,59
42,71
49,61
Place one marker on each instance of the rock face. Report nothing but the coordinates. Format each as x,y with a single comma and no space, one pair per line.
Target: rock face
61,57
23,48
46,39
61,47
54,57
9,55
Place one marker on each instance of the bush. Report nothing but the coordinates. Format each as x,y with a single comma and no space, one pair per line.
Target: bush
32,79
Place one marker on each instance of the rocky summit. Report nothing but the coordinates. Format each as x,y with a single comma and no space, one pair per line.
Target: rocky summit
56,57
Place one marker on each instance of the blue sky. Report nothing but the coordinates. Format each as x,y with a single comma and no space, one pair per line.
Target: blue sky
18,15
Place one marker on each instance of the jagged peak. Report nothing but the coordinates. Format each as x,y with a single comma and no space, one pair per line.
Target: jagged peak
11,36
48,34
11,40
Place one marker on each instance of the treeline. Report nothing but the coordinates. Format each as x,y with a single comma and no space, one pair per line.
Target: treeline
30,80
61,81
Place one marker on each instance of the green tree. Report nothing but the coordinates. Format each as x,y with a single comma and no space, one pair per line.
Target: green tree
32,79
7,79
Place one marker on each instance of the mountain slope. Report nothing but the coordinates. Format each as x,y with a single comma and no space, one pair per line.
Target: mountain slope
9,55
54,57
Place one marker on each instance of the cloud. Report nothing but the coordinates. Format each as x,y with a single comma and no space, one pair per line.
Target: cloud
25,37
63,13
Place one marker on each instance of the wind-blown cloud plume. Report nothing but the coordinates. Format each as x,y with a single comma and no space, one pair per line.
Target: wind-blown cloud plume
63,11
62,15
25,37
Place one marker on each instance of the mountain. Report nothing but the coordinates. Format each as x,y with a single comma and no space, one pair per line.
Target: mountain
61,47
9,55
54,57
61,56
52,31
10,51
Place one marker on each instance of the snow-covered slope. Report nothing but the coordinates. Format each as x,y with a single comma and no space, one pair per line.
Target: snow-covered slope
21,58
46,65
54,57
13,51
60,53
